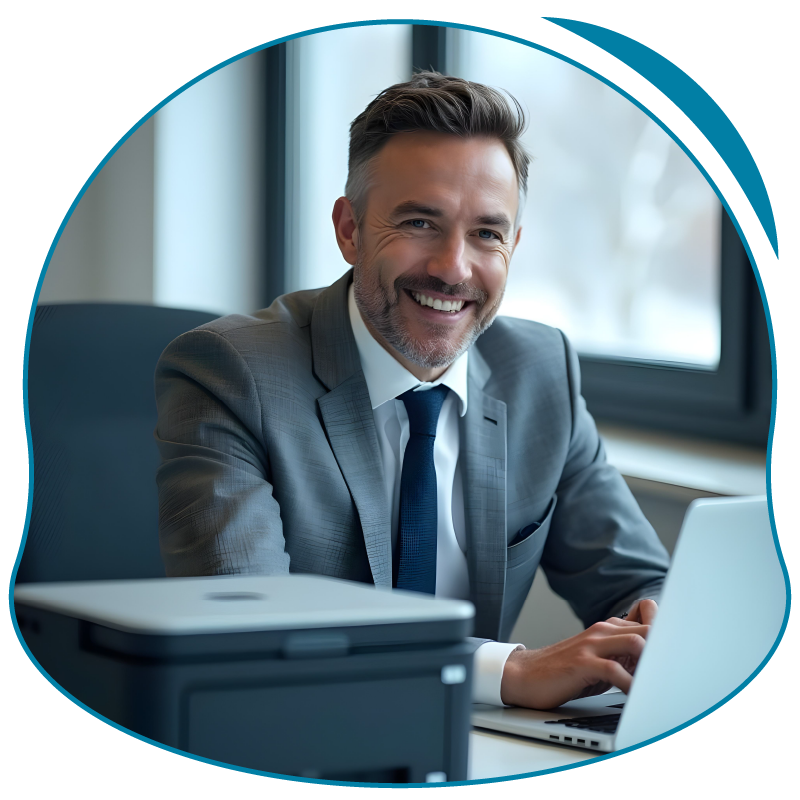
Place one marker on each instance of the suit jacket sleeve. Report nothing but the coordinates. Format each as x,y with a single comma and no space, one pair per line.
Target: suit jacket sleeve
217,513
602,554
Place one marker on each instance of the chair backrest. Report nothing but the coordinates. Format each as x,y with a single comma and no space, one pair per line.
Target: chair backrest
92,414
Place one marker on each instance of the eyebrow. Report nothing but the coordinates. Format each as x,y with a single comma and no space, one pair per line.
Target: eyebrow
413,207
497,220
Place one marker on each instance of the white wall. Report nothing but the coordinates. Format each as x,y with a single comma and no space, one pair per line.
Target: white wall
106,251
174,217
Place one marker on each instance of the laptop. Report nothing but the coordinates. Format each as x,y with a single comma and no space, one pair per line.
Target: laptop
721,609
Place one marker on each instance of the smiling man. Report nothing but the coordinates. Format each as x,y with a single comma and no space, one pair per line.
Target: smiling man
438,260
392,429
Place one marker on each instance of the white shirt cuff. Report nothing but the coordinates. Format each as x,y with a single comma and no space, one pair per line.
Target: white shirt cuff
490,659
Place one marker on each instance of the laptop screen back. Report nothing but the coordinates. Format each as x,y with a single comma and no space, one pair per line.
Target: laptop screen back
721,610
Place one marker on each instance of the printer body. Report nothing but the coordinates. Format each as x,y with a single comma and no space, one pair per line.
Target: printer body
290,675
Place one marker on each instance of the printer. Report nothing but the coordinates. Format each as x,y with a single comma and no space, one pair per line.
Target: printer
290,675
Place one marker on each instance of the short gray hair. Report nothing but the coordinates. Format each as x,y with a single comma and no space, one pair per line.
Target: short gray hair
431,101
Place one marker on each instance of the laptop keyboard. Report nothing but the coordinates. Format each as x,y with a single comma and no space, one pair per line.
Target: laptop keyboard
602,724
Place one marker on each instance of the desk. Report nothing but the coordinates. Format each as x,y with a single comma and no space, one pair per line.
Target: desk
498,755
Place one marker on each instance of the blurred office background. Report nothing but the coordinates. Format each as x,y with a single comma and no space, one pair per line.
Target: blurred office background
222,201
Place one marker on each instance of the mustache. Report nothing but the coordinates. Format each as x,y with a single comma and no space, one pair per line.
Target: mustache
422,283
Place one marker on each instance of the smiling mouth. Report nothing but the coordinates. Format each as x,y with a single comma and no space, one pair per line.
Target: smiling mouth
446,306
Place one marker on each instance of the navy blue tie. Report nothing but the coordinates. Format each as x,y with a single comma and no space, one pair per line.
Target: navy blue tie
416,545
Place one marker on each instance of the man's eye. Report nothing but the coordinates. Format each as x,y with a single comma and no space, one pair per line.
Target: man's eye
484,234
418,223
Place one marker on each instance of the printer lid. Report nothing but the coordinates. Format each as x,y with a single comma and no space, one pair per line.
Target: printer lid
237,604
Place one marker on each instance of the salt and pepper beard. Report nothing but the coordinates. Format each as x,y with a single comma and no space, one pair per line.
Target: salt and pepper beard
381,311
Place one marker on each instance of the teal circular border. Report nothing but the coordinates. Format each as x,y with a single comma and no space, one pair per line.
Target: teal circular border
581,29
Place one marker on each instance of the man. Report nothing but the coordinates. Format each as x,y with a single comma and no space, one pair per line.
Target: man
380,430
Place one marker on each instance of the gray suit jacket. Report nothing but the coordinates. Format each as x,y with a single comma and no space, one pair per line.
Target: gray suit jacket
270,464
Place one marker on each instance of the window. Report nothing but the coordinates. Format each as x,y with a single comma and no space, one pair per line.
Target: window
331,76
620,244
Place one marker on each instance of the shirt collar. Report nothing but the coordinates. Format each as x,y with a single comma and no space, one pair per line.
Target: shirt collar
387,378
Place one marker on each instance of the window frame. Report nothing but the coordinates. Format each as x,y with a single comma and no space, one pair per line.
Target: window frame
273,66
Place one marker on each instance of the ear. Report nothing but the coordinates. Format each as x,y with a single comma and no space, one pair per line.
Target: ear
344,223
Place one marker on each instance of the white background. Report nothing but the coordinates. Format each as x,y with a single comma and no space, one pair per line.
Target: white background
78,75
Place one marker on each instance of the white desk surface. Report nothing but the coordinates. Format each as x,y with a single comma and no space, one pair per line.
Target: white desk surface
498,755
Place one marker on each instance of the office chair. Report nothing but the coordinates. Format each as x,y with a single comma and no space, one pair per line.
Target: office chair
92,411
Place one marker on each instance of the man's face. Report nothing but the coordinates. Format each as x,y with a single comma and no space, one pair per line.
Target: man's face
434,245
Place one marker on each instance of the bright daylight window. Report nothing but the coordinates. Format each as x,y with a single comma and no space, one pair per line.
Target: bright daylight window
621,232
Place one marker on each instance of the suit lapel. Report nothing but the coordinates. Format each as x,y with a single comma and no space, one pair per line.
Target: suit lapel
347,416
483,460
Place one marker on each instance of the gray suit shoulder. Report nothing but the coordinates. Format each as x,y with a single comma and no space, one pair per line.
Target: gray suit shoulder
513,347
267,354
284,319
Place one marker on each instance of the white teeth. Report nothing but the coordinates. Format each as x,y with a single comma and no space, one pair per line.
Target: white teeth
450,306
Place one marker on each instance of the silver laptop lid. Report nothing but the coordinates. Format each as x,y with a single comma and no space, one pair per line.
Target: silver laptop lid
236,603
721,610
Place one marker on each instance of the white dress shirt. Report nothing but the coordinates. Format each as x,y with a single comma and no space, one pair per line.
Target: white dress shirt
386,379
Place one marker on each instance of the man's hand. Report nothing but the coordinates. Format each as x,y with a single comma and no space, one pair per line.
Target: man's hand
602,656
643,611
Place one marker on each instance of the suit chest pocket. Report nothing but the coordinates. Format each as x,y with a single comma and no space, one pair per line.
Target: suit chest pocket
529,541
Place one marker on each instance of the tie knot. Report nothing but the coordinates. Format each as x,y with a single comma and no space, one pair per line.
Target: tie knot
423,409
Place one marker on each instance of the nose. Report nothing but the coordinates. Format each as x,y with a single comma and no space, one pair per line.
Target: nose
450,262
